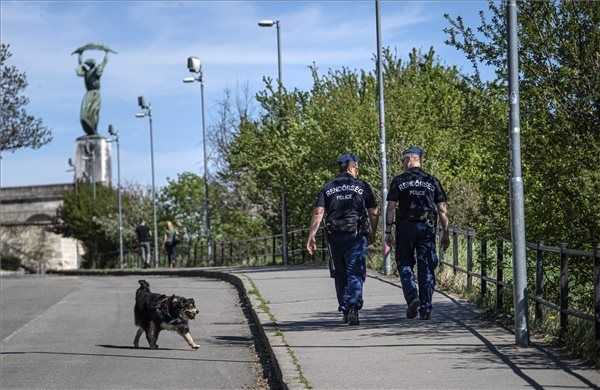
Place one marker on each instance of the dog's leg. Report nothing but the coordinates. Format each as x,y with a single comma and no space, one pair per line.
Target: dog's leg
188,337
136,340
152,335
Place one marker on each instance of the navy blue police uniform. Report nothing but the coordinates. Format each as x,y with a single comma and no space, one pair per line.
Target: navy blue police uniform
346,200
417,194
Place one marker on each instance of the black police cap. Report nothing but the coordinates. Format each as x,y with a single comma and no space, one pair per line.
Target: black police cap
413,150
344,159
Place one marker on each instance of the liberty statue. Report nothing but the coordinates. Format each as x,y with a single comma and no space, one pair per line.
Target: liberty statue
91,73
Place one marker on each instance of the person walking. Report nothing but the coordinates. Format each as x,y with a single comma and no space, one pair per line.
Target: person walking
416,201
350,211
170,242
142,233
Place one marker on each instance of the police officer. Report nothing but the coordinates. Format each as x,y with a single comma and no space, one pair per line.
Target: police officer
416,200
350,210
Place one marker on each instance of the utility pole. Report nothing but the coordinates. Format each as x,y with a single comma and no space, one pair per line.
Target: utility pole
516,185
382,143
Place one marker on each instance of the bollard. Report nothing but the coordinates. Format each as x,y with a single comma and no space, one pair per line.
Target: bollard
596,254
499,275
564,291
454,250
274,250
469,259
539,282
483,262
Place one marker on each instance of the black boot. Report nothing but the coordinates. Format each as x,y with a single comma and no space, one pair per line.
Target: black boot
345,312
353,317
413,307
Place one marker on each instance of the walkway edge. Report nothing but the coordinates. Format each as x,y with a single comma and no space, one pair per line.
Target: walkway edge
279,379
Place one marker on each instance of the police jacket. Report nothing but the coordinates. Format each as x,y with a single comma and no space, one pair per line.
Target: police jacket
417,194
346,200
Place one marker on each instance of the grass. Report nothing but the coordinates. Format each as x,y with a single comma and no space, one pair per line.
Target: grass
264,307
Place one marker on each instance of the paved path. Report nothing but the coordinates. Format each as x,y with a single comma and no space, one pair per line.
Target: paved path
455,350
77,333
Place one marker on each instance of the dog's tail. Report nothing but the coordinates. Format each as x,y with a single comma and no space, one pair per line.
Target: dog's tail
144,285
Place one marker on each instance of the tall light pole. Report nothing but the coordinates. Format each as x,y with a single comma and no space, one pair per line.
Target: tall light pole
516,185
115,134
147,112
284,229
382,145
194,66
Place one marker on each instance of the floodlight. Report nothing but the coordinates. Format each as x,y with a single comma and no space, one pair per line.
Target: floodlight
189,80
140,115
193,64
266,23
142,102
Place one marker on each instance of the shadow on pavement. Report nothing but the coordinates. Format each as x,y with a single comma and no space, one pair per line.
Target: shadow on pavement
9,353
492,346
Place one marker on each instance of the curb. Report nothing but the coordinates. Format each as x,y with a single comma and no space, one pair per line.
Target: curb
288,365
251,306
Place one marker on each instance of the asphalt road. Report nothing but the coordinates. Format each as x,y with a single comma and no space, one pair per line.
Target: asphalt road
77,333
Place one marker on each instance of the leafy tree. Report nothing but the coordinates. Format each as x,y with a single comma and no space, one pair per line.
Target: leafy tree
299,135
560,112
18,129
80,215
182,201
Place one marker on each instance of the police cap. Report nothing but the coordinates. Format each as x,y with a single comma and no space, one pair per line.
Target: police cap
344,159
413,150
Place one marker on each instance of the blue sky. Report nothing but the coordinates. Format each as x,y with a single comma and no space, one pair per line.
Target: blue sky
154,38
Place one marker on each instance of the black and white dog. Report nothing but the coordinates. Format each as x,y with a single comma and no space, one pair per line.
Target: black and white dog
155,312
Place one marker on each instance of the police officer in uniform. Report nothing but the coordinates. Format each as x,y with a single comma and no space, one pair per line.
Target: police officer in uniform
416,201
350,210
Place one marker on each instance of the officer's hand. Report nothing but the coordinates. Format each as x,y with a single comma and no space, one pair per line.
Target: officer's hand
445,240
311,245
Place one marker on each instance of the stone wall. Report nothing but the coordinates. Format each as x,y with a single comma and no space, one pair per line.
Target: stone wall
26,218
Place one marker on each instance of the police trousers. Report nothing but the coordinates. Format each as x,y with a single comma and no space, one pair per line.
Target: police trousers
349,252
416,238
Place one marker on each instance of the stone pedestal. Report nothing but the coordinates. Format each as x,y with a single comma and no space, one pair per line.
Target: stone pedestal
93,160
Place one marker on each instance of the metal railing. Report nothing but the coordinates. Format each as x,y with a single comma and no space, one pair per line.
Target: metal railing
256,251
537,253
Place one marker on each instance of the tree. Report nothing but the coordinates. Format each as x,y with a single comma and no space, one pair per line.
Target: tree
560,111
18,129
80,215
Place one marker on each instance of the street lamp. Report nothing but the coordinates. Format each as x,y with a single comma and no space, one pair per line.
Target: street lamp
382,144
115,134
271,23
147,112
194,66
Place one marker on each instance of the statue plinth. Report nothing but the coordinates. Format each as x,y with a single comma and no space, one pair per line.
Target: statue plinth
93,160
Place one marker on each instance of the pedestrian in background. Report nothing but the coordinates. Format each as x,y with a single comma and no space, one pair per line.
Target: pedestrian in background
142,233
350,211
170,242
416,201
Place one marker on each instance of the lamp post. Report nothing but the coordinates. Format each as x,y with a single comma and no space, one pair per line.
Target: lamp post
115,134
194,66
382,144
516,185
271,23
147,112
